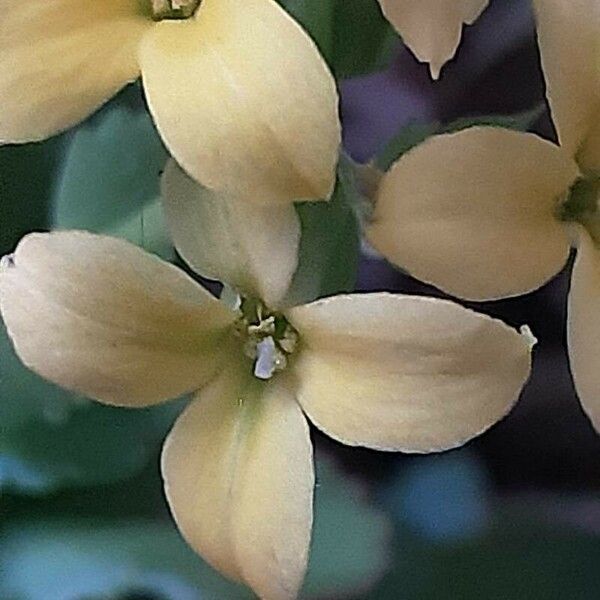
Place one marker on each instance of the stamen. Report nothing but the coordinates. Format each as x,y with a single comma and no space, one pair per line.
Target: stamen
267,337
174,9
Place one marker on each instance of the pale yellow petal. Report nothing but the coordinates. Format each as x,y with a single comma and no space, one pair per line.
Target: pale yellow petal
101,317
474,212
251,247
239,479
583,327
432,28
244,101
407,373
61,59
569,40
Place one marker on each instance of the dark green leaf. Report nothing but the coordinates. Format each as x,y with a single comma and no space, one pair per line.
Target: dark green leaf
89,444
27,175
410,135
364,41
45,554
24,396
51,438
353,36
415,133
522,121
329,246
318,18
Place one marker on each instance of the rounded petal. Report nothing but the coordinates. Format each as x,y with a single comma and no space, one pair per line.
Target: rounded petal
407,373
101,317
239,479
583,327
251,247
473,212
432,28
244,101
569,40
61,60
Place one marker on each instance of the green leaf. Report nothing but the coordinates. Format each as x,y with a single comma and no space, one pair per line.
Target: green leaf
25,397
110,179
318,18
415,133
51,438
409,136
521,121
353,36
87,550
364,41
89,444
330,244
351,538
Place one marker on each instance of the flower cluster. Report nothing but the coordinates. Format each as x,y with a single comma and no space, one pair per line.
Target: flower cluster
489,213
248,109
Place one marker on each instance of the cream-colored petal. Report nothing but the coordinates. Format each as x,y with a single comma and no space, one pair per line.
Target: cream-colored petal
473,212
101,317
432,28
244,101
583,327
251,247
61,59
407,373
239,479
569,39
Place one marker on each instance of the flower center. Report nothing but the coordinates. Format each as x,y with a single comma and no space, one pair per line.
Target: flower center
174,9
582,205
266,336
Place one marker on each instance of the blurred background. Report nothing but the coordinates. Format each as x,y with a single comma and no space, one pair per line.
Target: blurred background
514,515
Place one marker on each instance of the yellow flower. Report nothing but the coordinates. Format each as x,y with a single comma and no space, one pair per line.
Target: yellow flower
99,316
487,212
239,92
432,28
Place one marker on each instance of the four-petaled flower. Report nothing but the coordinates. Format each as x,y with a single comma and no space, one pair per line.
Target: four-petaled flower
102,317
488,212
238,91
